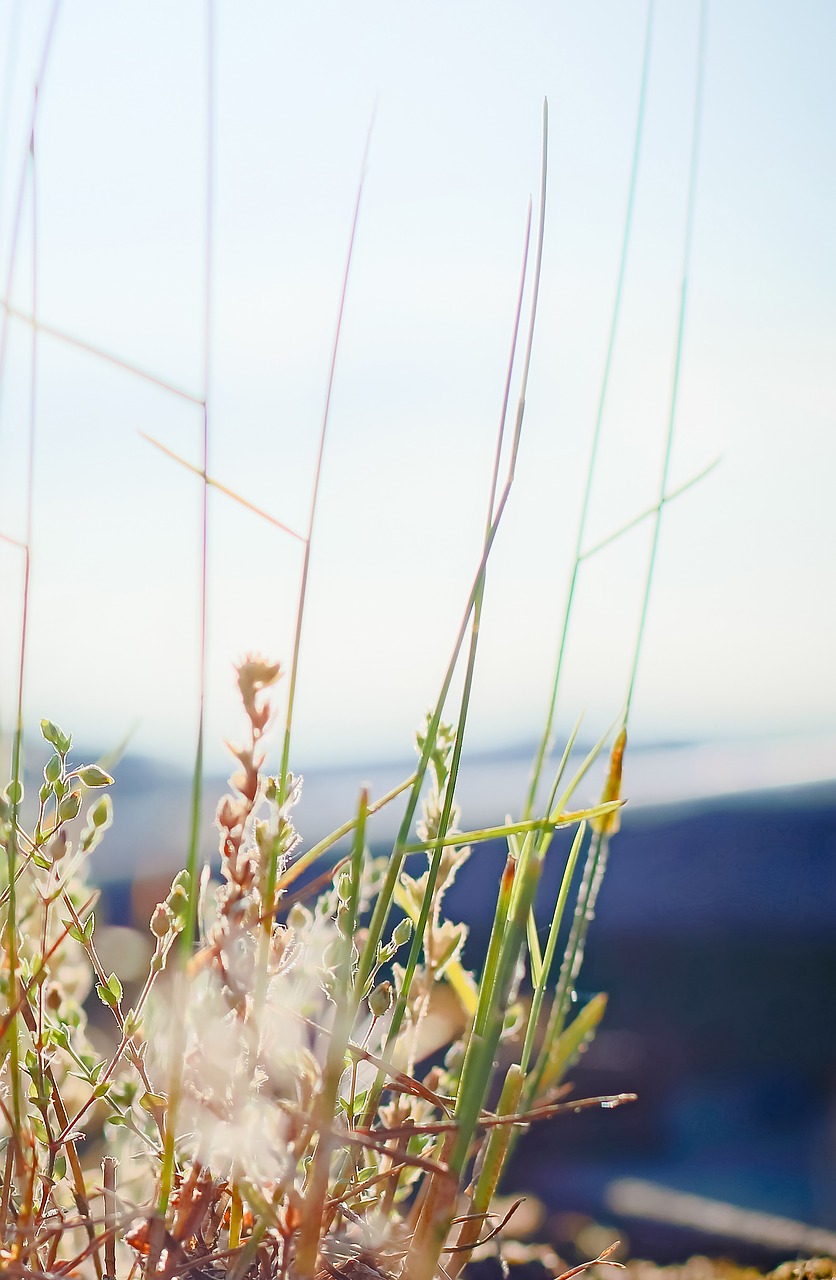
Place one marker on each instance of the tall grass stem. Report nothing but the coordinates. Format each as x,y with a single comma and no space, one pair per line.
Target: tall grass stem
680,335
545,741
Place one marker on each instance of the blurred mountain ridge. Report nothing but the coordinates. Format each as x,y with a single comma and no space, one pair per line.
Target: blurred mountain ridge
151,797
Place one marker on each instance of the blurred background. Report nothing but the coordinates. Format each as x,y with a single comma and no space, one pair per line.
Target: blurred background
153,123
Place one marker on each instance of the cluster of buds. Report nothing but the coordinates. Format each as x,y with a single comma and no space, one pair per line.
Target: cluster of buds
247,846
442,941
234,812
169,919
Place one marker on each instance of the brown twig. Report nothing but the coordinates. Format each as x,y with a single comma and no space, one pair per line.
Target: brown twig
467,1248
487,1121
109,1182
603,1260
67,1141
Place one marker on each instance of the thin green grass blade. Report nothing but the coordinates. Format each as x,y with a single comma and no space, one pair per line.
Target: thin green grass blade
557,807
544,745
563,762
316,851
534,951
186,941
449,796
541,978
680,337
496,510
481,1050
325,1105
534,826
496,1150
306,563
650,511
573,955
11,1035
490,972
562,1055
441,840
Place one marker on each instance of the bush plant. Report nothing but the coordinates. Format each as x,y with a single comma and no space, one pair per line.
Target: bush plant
264,1109
267,1110
273,1104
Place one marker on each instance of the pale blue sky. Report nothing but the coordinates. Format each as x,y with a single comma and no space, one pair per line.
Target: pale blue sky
743,619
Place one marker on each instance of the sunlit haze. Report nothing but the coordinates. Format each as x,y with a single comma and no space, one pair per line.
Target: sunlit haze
742,622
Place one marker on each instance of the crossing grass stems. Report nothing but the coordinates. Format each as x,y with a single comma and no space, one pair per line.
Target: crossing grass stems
273,1104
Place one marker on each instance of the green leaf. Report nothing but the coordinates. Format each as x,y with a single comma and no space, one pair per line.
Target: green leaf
567,1047
15,792
152,1101
94,776
74,931
41,1099
89,926
60,1035
106,996
115,986
39,1130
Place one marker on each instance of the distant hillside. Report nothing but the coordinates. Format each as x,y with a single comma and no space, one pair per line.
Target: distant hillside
152,799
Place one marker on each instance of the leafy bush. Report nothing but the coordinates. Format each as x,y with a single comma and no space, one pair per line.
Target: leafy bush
278,1100
265,1105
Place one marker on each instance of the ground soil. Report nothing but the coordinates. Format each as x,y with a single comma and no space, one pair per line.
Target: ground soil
524,1263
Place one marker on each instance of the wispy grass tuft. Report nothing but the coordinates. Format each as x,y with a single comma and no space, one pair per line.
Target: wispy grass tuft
273,1103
